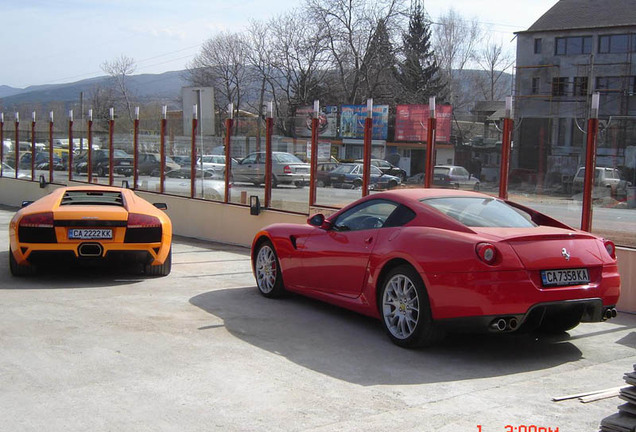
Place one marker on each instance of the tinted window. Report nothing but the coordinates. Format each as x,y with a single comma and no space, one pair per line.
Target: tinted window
481,212
368,215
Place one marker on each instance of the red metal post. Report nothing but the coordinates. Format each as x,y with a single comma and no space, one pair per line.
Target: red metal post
506,143
111,150
70,148
269,130
89,151
135,153
50,148
314,161
366,161
590,168
430,152
193,157
162,154
228,142
17,144
33,149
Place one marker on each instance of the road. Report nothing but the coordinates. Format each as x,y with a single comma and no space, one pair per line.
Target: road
200,350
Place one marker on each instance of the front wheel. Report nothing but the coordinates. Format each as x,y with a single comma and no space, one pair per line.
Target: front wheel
405,309
269,278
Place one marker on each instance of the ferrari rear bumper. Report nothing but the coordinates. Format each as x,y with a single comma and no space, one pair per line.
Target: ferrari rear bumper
590,310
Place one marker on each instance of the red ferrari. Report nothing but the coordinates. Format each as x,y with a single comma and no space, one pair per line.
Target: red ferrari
425,261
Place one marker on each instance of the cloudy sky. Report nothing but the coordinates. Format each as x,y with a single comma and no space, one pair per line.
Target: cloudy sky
54,42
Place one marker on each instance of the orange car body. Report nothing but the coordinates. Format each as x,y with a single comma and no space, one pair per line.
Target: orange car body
91,223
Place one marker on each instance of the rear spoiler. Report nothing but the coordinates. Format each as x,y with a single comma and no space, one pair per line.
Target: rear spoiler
540,218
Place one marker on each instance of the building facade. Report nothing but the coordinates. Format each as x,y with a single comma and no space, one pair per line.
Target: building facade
576,48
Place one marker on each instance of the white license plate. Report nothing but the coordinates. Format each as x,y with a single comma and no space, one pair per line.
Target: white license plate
565,277
90,233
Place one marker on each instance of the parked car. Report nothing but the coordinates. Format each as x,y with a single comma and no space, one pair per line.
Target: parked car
427,260
150,164
95,224
206,183
213,163
122,162
322,173
349,175
183,161
454,176
7,170
608,179
286,169
387,168
41,161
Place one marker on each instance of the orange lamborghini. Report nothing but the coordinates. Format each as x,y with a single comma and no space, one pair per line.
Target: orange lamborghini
90,224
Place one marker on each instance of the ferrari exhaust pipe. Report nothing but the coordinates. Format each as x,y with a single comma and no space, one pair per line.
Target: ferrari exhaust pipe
499,324
513,324
609,314
90,250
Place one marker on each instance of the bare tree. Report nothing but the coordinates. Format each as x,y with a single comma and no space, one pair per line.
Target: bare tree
223,64
120,69
455,41
495,61
350,27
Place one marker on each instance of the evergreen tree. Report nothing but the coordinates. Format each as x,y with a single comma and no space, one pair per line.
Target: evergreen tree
378,68
418,73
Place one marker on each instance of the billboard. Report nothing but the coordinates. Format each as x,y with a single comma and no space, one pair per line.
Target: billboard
352,121
327,121
411,123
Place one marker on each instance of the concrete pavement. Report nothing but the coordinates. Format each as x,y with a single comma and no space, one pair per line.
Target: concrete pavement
201,350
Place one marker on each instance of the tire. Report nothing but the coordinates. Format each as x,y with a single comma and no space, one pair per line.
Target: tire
160,270
320,183
269,279
561,322
405,309
19,270
476,187
357,184
392,184
101,172
299,184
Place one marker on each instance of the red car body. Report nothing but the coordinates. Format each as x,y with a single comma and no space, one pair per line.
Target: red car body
463,290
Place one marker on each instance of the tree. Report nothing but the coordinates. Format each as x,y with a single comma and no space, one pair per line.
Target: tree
419,74
455,43
120,69
378,68
495,61
350,26
223,64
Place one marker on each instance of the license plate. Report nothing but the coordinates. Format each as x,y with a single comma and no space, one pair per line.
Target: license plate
90,234
565,277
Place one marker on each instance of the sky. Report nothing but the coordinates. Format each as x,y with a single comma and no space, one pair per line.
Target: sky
62,41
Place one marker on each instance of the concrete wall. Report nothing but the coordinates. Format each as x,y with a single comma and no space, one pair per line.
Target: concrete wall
233,224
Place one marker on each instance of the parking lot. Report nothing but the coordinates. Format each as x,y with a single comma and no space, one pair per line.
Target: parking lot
202,350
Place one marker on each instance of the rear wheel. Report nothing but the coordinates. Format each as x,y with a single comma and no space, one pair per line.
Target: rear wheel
405,309
160,270
19,269
269,278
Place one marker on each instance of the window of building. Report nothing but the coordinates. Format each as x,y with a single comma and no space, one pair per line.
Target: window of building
616,44
536,84
580,86
573,45
559,85
537,46
608,83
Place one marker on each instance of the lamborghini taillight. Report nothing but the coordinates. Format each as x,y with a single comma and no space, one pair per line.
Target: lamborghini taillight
37,220
136,220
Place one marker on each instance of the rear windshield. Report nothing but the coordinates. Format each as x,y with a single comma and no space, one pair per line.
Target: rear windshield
92,198
481,212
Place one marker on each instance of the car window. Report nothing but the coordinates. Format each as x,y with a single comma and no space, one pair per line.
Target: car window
367,215
343,169
441,170
120,153
287,158
250,159
481,212
461,171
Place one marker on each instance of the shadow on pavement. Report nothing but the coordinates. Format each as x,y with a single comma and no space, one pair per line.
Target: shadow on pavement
354,348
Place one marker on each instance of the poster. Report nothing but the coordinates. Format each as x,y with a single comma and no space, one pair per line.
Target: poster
352,121
411,123
327,121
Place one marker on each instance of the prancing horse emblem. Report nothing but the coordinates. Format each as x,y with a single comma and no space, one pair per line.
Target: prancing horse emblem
565,254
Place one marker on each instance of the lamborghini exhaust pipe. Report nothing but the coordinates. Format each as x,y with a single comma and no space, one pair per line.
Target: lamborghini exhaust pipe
90,250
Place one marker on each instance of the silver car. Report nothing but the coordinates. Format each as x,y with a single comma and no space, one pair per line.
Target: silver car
286,169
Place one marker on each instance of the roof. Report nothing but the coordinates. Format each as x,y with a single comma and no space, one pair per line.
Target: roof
586,14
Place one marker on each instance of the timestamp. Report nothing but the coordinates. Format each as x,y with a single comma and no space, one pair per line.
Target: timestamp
523,428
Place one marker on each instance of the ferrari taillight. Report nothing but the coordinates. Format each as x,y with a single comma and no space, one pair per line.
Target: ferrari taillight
287,169
486,252
37,220
136,220
610,247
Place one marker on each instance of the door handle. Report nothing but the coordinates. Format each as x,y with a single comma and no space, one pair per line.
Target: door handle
368,240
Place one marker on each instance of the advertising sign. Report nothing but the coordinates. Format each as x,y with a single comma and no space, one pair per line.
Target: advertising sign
411,123
352,121
327,121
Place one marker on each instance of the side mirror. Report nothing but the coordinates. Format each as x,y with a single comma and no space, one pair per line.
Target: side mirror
316,220
161,206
